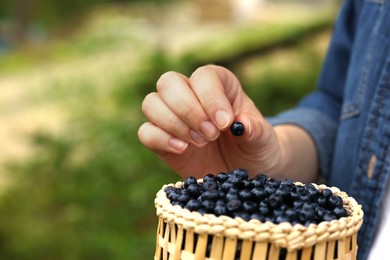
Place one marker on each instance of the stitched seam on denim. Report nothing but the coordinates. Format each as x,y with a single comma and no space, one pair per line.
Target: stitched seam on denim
366,146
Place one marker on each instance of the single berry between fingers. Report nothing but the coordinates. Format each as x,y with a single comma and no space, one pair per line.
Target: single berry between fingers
237,128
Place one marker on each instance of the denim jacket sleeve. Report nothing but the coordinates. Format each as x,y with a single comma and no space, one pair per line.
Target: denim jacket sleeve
319,112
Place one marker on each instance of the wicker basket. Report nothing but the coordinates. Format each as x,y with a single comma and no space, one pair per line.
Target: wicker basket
182,234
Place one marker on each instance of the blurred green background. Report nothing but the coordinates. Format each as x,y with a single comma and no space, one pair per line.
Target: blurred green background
75,182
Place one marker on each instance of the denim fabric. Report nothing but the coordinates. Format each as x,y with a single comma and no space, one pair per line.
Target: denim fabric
348,116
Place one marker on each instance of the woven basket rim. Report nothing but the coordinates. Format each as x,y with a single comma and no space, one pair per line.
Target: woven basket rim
284,234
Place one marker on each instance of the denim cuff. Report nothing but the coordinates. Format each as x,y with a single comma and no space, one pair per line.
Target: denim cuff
320,127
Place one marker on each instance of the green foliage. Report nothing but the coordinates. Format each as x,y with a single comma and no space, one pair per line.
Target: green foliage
99,206
51,13
280,79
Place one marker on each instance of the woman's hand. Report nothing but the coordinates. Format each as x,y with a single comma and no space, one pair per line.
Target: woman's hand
189,120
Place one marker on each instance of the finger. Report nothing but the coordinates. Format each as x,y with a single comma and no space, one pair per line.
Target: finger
159,141
211,85
160,115
175,92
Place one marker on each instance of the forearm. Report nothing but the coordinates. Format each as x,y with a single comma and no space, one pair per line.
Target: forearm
299,158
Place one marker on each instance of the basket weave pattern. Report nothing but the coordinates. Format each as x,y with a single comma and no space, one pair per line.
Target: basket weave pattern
182,234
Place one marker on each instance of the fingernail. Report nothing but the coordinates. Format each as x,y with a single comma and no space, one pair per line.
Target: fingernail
177,144
208,129
197,138
222,118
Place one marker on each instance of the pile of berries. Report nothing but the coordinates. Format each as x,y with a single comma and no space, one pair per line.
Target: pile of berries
266,199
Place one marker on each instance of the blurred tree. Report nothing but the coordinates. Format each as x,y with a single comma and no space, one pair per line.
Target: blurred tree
50,14
23,18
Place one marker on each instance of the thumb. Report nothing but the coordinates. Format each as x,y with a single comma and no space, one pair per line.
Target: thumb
259,142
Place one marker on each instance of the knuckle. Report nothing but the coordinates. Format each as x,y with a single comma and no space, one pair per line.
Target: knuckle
142,136
176,127
188,113
148,100
163,81
201,71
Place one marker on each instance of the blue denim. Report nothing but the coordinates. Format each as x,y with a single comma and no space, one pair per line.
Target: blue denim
348,116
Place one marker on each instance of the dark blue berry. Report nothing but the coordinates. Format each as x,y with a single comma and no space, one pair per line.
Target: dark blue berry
236,180
210,195
282,218
306,215
245,195
237,128
195,190
249,206
298,204
269,190
208,177
305,197
193,205
308,223
184,198
277,212
226,186
201,211
261,177
173,196
233,205
220,210
243,214
234,190
208,205
169,189
247,184
335,201
322,201
232,196
287,183
292,214
210,185
321,212
326,193
284,192
189,180
313,193
340,212
284,207
222,177
274,183
259,194
258,216
294,196
220,202
308,206
264,210
274,200
270,219
257,183
242,173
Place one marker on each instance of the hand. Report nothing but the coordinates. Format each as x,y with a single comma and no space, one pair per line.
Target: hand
189,120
